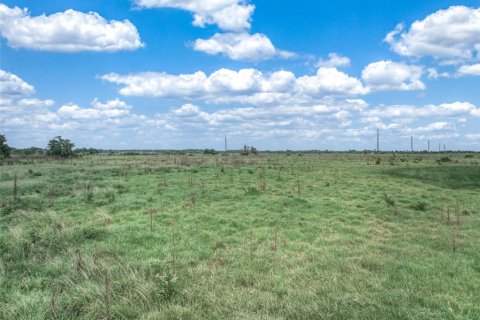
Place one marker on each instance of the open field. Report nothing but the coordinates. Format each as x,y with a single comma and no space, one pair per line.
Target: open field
272,236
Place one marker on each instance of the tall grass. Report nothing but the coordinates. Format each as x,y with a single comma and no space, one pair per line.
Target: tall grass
316,243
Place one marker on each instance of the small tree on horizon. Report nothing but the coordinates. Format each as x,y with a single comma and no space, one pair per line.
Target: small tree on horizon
60,147
4,148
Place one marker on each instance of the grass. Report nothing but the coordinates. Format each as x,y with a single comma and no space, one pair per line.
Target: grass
266,237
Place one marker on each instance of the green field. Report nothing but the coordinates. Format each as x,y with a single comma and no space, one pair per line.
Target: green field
272,236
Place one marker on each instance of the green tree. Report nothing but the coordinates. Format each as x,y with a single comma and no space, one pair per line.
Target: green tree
60,147
4,148
209,151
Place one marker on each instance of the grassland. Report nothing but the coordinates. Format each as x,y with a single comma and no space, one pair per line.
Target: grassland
272,236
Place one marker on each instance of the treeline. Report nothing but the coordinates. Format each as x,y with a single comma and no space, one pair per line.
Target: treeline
64,148
57,147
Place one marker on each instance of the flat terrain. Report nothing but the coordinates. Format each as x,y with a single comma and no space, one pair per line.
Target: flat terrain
272,236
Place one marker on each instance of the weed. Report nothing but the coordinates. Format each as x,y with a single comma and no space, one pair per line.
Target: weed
274,239
419,206
391,203
444,159
15,188
151,212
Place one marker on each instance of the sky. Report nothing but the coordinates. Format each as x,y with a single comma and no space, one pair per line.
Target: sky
276,75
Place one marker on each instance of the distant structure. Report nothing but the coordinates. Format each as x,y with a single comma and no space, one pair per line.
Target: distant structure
439,147
378,140
411,143
428,148
246,150
226,142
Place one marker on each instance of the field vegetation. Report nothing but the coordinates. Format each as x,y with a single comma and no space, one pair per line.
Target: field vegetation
263,236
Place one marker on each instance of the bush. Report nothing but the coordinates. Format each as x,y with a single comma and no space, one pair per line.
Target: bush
444,159
210,151
389,201
420,206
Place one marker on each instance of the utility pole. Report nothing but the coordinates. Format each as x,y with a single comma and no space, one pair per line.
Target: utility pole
411,143
226,143
378,140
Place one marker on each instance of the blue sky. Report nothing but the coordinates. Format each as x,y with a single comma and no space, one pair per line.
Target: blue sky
164,74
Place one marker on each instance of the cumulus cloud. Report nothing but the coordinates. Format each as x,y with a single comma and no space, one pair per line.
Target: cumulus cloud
12,86
246,85
240,46
330,80
254,87
388,75
233,17
469,70
350,121
434,74
230,15
334,60
39,115
110,109
449,35
410,113
69,31
473,136
434,126
15,95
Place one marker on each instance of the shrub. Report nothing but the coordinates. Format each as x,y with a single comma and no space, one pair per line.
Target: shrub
444,159
210,151
419,206
389,201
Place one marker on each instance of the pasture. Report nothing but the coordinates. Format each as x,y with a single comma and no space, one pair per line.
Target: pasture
268,236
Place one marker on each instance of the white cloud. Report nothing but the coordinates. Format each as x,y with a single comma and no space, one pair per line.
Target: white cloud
334,60
449,35
35,103
330,81
469,70
434,126
110,109
15,96
14,122
240,46
47,117
410,113
110,104
230,15
233,17
249,86
69,31
160,84
388,75
473,136
434,74
12,86
279,126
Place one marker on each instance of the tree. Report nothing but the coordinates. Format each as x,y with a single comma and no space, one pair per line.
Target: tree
245,151
60,147
4,148
210,151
